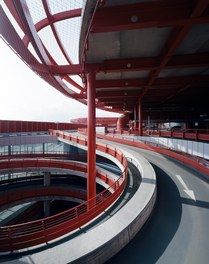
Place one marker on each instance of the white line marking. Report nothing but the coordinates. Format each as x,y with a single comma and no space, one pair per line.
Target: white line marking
189,192
182,181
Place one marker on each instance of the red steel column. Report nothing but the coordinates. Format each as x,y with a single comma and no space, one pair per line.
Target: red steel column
140,117
135,117
91,158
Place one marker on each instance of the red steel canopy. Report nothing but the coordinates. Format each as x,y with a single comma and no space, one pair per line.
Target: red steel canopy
152,51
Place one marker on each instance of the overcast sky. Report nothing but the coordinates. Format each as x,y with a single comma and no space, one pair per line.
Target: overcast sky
25,96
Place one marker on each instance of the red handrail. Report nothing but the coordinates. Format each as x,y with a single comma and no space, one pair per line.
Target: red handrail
193,134
39,154
196,162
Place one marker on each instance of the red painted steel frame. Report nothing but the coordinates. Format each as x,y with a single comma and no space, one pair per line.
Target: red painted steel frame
91,183
140,117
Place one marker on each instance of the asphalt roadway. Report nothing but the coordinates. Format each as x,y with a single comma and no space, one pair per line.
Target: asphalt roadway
178,230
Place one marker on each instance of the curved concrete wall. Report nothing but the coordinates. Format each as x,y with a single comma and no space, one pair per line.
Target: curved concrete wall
107,239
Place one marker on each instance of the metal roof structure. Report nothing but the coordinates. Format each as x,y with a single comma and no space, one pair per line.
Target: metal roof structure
152,51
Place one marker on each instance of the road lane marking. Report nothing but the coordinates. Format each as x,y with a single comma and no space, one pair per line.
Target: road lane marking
189,192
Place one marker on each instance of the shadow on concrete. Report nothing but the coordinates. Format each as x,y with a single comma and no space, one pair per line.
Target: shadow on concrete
151,242
197,203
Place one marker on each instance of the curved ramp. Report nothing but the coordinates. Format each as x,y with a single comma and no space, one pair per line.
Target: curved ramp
99,244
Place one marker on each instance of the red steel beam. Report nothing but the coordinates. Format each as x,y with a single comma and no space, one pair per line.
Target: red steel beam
53,28
10,35
136,64
175,39
58,17
29,28
99,120
199,8
44,56
118,83
118,99
162,82
153,63
71,69
51,24
130,64
53,19
181,80
140,117
174,94
117,94
13,11
189,61
74,70
146,15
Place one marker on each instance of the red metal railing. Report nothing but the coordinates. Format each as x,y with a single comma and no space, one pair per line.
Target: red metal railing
34,164
196,162
24,194
39,154
194,134
36,232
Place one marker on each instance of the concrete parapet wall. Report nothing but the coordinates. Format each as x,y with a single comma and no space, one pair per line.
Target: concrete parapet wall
103,242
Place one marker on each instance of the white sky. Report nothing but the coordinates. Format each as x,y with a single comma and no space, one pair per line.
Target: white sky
25,96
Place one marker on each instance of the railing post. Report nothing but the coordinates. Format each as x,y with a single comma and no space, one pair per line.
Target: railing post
76,212
44,230
10,239
140,116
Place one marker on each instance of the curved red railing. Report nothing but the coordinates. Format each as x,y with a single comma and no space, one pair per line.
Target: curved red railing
41,231
34,193
39,154
83,141
196,162
8,165
193,134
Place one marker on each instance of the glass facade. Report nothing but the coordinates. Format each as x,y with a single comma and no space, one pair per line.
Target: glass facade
43,148
32,149
3,150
